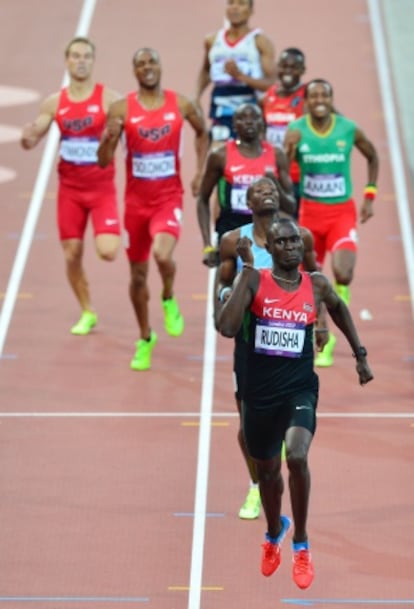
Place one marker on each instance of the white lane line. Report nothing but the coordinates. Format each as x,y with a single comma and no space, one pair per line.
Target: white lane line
203,457
205,417
397,159
36,201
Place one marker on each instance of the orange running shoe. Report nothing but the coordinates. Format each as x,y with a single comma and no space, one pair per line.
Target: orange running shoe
271,558
303,572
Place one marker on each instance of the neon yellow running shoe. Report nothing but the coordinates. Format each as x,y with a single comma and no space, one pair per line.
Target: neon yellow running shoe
324,359
173,320
283,452
87,321
142,357
250,510
344,292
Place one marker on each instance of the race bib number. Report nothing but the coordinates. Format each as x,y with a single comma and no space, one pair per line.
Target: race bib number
218,72
276,135
324,185
220,133
282,338
226,105
79,150
153,166
239,200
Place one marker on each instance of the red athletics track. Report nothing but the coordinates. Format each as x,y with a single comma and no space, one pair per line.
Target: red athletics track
97,511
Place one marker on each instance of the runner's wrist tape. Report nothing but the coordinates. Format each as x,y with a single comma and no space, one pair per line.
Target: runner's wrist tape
370,192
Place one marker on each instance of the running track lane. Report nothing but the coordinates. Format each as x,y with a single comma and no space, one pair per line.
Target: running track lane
97,511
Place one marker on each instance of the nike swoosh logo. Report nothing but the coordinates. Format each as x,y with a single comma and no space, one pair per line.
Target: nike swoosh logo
302,407
111,222
137,119
64,110
271,300
236,167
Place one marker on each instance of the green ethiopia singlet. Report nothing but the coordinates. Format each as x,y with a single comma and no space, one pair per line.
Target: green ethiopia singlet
325,159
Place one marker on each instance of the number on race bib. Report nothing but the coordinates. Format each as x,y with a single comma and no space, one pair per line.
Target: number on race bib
153,166
284,339
239,200
80,151
324,185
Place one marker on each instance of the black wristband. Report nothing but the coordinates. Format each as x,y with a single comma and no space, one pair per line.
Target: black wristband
360,352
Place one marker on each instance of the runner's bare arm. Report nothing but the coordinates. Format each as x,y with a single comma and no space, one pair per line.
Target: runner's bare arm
292,139
109,97
203,79
267,59
310,265
33,132
367,149
339,312
244,288
193,114
213,172
284,183
112,132
309,255
226,272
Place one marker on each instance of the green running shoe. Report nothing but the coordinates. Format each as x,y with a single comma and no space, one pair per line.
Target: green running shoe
250,510
173,320
87,321
324,359
142,357
344,292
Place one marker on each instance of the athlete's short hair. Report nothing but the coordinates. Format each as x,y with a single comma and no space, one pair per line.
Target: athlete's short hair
250,3
145,50
280,222
296,53
82,39
248,106
318,81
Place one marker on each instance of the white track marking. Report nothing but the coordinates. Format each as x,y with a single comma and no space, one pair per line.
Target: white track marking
205,417
203,457
396,156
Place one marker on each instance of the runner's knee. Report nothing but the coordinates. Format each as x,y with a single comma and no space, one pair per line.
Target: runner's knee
107,247
162,257
108,255
138,277
272,475
72,252
296,459
343,276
